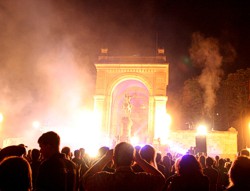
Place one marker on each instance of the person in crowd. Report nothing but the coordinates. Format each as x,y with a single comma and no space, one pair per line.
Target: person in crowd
28,156
124,178
244,152
176,173
148,153
101,152
15,174
67,152
216,164
80,165
202,161
211,173
160,166
167,164
239,174
12,150
228,164
223,180
77,158
190,176
85,158
170,156
56,173
35,164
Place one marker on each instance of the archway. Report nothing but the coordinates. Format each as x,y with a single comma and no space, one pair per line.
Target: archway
139,100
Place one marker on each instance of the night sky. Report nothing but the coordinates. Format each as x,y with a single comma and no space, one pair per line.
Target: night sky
138,27
48,47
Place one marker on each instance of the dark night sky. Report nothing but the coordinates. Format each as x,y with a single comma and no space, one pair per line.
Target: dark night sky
46,45
138,27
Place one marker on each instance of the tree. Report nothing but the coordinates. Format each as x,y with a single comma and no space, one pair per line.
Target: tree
233,102
192,101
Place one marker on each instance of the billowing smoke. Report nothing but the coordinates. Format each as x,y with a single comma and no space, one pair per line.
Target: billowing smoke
45,74
205,53
47,51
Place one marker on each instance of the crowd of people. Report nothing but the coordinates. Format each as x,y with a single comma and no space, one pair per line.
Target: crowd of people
124,168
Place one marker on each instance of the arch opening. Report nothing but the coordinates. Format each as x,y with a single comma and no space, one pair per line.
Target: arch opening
138,95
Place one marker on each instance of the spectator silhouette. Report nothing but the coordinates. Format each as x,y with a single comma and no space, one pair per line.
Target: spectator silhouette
211,173
170,156
190,176
15,174
13,150
123,179
223,180
160,166
67,152
56,173
202,161
176,173
148,153
216,164
239,174
35,164
101,152
84,157
167,164
244,152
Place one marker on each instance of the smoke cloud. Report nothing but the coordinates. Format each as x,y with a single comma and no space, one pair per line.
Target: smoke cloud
205,53
47,51
45,73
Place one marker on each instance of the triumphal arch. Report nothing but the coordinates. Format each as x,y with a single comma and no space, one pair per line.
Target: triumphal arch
131,95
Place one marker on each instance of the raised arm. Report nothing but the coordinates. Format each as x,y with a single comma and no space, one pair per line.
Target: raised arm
146,166
99,165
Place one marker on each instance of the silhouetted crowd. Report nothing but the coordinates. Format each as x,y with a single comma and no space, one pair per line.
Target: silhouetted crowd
124,168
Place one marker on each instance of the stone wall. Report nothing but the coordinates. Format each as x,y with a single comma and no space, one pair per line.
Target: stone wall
222,143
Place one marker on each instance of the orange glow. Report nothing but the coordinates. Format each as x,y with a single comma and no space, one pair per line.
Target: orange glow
1,117
36,124
201,130
162,125
134,141
85,132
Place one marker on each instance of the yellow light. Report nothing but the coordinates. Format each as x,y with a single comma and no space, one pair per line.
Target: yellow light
1,117
36,124
162,125
85,131
201,130
134,140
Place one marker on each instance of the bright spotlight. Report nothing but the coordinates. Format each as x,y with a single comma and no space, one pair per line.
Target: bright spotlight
201,130
162,125
134,140
36,124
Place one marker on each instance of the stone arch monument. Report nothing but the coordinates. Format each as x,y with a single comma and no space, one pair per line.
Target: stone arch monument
130,92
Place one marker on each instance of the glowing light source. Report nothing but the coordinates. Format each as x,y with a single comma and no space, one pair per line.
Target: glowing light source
36,124
201,130
134,140
84,131
162,125
1,117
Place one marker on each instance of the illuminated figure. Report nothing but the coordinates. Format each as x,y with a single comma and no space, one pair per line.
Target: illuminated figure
126,119
127,107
